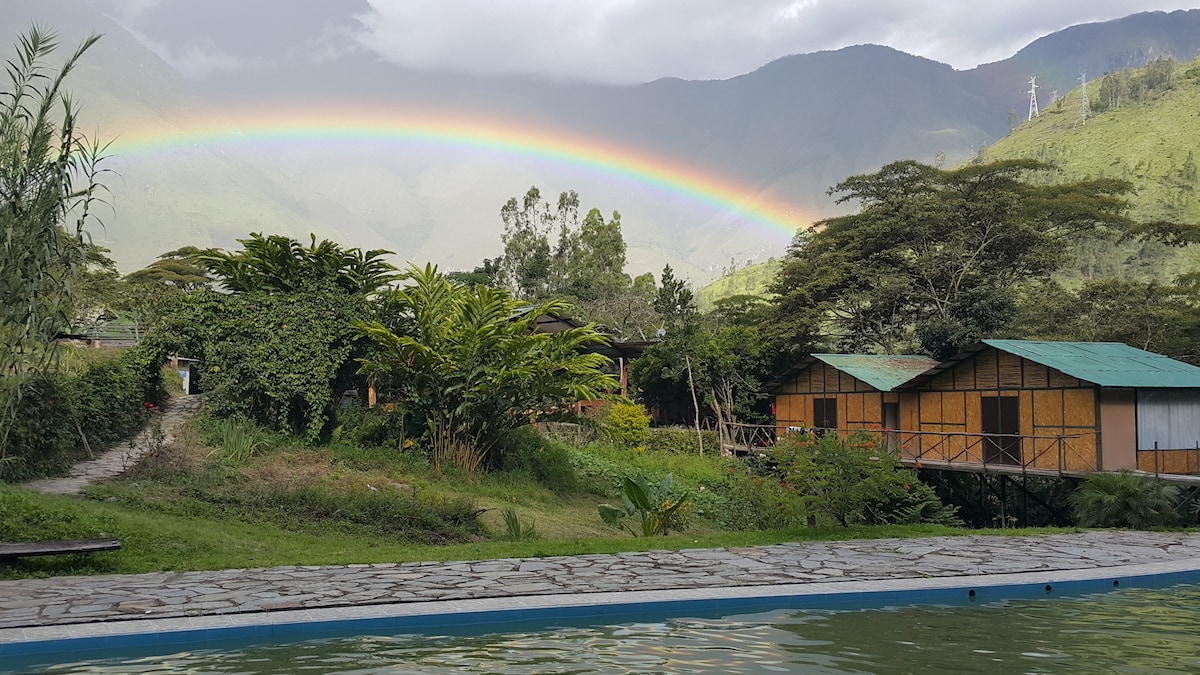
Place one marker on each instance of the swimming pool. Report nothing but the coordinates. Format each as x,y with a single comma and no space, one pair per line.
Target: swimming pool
934,624
1131,630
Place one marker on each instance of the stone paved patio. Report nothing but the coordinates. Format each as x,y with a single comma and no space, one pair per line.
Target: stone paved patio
74,600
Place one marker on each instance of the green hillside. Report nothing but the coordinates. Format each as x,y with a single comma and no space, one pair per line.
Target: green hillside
1144,134
751,280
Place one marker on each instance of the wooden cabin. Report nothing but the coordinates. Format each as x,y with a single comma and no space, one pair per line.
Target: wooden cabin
845,391
1061,406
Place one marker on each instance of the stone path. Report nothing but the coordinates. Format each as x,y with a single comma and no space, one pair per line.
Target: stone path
121,456
72,600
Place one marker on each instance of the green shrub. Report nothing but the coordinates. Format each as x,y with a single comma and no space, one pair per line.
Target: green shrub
1124,499
681,441
365,427
627,425
103,401
852,480
525,450
42,519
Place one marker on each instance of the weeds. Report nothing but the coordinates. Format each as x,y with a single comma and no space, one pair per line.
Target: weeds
514,530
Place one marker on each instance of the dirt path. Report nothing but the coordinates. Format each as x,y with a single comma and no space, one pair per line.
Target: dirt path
121,456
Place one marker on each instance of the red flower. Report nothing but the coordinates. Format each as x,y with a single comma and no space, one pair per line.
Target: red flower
148,405
906,486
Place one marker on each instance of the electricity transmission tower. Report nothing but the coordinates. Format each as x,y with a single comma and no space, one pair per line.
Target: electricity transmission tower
1033,108
1084,105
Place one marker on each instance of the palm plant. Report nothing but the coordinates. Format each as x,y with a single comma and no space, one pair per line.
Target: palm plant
279,264
471,364
1124,499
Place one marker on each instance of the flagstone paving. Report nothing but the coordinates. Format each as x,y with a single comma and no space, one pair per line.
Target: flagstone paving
122,456
72,600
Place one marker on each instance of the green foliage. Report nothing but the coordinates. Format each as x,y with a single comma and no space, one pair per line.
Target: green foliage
237,440
678,440
470,365
48,175
852,481
653,505
1124,499
525,450
177,269
276,359
934,259
585,264
1149,315
103,402
752,281
278,264
513,528
627,425
30,518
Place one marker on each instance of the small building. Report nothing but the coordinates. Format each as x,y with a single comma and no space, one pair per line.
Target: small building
845,391
1058,406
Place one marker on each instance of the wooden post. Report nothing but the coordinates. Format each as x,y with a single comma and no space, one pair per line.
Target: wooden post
371,395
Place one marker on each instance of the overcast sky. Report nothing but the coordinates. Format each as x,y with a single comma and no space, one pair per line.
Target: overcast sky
622,41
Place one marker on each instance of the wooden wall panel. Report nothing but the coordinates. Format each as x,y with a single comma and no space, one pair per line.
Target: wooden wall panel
973,403
1170,461
931,408
964,375
1036,376
985,369
1048,407
1079,454
854,410
1080,407
1010,370
873,408
1057,379
943,381
1025,412
954,409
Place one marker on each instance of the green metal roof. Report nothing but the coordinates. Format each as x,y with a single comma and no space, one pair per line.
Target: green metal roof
1108,364
882,371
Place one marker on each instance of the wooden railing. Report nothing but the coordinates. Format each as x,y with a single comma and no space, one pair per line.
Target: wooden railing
950,447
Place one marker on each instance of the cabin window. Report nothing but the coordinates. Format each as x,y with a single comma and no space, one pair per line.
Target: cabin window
1169,418
825,414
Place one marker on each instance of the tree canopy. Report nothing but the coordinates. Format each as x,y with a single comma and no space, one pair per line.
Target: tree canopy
279,264
933,259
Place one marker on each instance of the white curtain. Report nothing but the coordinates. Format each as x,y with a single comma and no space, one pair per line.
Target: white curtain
1169,417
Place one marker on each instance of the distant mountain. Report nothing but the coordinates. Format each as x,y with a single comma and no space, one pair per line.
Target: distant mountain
1153,143
773,140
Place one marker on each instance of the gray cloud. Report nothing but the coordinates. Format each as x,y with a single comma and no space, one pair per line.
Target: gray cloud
627,41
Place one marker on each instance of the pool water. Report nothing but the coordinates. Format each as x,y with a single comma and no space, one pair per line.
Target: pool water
1126,631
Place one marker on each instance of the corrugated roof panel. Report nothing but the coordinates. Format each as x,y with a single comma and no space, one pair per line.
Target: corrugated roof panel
1108,364
882,371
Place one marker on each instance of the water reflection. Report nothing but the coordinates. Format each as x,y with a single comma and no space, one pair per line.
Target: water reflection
1130,631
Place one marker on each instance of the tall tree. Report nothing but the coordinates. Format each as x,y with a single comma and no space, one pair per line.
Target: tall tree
933,259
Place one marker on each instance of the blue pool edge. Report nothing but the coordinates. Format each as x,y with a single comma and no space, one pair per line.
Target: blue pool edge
497,614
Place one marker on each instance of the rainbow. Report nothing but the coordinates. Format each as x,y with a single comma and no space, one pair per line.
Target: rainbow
495,135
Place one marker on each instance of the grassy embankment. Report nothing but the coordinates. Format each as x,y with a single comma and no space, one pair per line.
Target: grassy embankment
186,509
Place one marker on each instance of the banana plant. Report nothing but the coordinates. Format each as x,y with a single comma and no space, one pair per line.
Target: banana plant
652,504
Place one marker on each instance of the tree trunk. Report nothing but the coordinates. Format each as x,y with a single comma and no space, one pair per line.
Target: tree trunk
695,404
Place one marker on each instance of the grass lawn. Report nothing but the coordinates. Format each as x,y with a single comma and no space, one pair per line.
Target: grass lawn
340,505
